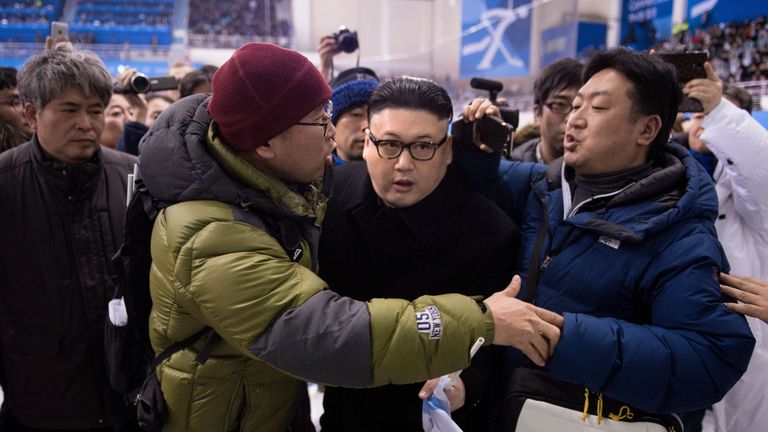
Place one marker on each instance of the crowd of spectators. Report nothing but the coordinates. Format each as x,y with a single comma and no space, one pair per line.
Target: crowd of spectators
111,18
239,21
29,12
738,50
147,13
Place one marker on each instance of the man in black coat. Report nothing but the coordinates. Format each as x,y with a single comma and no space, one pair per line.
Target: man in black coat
61,219
402,225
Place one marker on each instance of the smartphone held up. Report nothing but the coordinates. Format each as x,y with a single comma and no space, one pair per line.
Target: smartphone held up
59,32
689,66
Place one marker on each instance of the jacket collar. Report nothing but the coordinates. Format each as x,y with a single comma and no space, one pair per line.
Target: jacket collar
78,181
301,200
423,219
679,189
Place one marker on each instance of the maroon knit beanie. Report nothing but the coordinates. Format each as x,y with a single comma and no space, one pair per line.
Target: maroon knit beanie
261,91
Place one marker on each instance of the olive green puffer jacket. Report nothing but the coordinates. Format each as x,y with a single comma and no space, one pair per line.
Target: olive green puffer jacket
214,264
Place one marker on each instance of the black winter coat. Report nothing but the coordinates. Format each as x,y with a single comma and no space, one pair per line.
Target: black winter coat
453,241
59,226
525,152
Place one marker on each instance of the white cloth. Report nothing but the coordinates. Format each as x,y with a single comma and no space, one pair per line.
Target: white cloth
118,315
740,144
436,410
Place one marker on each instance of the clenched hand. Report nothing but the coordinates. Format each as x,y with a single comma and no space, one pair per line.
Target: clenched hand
532,330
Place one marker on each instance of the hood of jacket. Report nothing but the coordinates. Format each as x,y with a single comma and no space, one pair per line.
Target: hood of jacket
678,189
183,159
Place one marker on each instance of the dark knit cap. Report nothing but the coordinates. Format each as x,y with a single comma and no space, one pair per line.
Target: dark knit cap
352,88
261,91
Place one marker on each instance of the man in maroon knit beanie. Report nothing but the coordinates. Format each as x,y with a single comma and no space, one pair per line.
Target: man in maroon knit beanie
239,178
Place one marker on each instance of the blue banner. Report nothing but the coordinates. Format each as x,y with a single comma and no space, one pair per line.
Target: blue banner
591,38
496,38
711,12
644,22
556,44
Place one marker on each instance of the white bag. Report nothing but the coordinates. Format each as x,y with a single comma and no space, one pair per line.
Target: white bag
538,416
537,402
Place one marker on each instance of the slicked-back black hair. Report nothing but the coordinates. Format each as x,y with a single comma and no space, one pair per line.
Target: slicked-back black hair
412,93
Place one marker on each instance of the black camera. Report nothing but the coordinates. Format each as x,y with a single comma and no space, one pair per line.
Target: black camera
346,39
140,83
491,131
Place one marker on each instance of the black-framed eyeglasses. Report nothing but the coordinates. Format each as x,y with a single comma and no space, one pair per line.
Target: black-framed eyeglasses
561,108
14,103
419,150
327,113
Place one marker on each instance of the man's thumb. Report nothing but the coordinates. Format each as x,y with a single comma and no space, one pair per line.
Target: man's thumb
711,75
513,289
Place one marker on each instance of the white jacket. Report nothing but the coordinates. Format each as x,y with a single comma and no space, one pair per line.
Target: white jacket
740,144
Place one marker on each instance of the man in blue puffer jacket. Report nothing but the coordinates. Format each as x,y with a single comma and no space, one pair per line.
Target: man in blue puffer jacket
619,237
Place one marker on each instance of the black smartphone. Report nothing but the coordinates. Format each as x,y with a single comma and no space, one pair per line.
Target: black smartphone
689,66
495,133
492,131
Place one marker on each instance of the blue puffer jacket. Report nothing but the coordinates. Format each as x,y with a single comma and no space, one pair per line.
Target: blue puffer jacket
637,283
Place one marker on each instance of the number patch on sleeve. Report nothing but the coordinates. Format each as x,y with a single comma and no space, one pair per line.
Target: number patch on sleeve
428,320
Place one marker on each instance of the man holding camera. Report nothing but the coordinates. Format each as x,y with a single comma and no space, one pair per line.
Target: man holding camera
620,238
330,45
62,215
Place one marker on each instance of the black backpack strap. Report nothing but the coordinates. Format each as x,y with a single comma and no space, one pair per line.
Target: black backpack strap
205,352
121,270
289,237
284,230
180,345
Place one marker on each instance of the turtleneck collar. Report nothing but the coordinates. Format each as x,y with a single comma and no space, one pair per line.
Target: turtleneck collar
586,186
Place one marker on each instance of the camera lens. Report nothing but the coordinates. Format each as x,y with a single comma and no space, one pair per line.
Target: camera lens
140,83
347,40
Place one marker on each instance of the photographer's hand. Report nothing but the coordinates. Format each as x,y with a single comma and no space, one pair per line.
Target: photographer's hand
138,111
58,43
707,90
327,48
475,110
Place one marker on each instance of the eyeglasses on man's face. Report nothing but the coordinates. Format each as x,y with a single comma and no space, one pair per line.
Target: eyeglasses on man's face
13,102
327,114
419,150
559,107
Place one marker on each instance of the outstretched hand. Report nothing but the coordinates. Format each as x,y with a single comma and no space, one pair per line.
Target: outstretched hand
532,330
751,292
